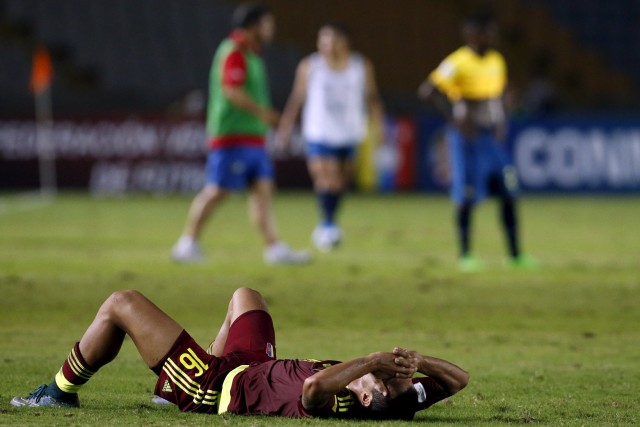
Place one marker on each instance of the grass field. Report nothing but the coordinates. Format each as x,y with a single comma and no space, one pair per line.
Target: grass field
555,346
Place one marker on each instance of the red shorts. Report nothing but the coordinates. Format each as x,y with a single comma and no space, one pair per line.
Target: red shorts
192,379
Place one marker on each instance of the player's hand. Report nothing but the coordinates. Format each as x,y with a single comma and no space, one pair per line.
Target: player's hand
390,365
466,127
270,117
408,358
283,137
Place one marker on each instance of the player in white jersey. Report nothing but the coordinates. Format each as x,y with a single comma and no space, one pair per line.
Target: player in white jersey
336,90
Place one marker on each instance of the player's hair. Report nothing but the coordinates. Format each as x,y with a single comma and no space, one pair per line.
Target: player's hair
339,28
402,407
480,20
247,15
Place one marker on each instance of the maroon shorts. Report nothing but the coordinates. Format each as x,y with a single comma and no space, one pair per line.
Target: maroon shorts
192,379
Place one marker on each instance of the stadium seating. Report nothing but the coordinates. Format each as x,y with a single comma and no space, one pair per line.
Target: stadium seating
147,54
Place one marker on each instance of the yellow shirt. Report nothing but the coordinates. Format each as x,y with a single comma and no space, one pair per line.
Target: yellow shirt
465,74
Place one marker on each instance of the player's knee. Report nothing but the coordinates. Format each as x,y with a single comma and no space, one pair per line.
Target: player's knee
211,193
246,299
120,301
246,294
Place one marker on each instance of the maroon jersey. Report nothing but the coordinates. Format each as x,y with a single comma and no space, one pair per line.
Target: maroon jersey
275,388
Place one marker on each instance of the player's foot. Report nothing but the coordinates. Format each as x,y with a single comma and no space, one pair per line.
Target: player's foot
326,237
160,401
523,262
280,253
40,397
186,250
470,264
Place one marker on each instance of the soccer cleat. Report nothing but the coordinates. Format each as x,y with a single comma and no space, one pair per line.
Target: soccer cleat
326,237
523,262
470,264
39,397
280,253
186,250
160,401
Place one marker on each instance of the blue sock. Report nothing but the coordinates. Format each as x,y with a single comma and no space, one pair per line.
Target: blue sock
328,205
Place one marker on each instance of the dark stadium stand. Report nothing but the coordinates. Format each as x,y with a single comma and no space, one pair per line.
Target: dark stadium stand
611,27
146,55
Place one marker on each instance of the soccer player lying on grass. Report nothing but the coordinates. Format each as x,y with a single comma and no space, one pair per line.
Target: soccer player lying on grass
240,373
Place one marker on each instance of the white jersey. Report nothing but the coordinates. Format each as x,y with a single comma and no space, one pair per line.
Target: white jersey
335,110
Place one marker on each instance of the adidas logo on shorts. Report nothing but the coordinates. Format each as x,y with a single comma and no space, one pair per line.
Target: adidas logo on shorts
166,388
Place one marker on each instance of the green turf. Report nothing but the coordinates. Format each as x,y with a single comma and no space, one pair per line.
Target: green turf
555,346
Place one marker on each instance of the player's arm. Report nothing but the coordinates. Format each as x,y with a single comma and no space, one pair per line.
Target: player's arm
233,78
450,377
294,103
319,388
374,102
429,92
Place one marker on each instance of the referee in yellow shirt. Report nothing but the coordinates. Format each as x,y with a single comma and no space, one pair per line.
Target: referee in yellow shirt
468,88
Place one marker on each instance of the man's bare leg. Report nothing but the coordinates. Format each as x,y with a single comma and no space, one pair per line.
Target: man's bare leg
203,204
261,211
187,248
123,313
261,215
242,301
129,313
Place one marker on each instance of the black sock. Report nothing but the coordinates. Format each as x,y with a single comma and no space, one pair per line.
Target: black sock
329,203
54,391
510,224
463,222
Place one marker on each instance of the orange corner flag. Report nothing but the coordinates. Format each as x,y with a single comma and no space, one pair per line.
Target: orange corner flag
41,72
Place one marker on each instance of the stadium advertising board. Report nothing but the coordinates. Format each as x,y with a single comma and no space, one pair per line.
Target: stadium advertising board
107,156
553,155
118,156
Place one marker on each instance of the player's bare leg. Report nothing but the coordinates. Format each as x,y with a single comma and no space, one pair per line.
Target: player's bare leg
261,210
187,248
261,215
129,313
242,301
123,313
203,204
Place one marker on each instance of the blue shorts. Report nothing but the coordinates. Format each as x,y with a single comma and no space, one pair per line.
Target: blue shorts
235,168
480,167
319,149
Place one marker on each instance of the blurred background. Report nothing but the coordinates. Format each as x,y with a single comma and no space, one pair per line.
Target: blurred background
126,87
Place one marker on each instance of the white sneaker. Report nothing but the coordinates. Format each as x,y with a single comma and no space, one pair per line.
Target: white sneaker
326,237
280,253
186,250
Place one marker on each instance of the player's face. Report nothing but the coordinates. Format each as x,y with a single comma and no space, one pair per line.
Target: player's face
364,386
397,386
480,38
267,29
331,42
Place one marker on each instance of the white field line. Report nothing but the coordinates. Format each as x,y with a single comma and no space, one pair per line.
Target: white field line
24,202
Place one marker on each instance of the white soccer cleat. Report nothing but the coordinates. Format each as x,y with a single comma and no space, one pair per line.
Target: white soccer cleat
157,400
280,253
326,237
186,250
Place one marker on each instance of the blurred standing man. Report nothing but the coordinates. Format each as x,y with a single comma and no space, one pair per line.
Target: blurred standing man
238,117
335,88
468,88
